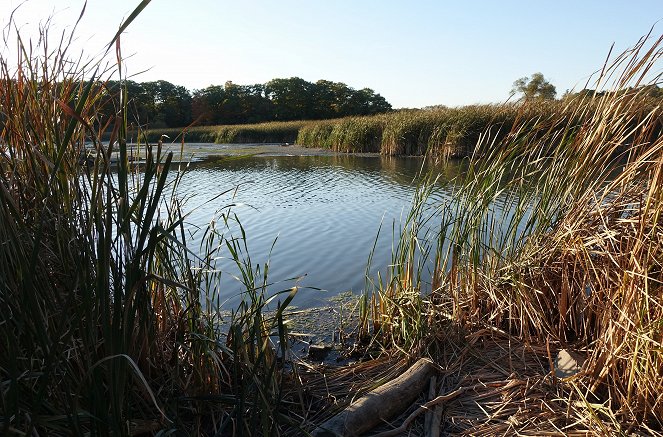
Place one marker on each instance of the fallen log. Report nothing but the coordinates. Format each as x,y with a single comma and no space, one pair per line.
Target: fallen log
380,404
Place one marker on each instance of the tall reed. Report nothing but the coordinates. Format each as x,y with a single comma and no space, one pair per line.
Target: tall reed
439,132
110,321
573,255
272,132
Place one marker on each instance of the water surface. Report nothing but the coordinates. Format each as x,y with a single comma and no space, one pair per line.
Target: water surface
319,216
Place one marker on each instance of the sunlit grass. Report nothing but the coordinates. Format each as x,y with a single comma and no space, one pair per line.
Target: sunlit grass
573,257
272,132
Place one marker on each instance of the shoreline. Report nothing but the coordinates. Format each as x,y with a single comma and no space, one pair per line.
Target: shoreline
197,153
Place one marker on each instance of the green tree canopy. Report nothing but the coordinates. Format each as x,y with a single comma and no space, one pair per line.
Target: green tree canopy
292,98
534,87
162,104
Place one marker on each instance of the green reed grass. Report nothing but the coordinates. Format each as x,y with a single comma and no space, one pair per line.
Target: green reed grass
272,132
393,310
439,132
110,321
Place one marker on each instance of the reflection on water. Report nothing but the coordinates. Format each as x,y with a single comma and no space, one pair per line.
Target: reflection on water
325,211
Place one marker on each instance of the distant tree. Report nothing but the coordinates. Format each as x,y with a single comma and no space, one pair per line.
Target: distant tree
206,105
585,93
534,87
257,103
248,102
336,99
366,102
329,98
141,105
292,98
172,103
653,91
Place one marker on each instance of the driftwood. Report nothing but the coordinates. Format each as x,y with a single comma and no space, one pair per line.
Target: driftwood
379,405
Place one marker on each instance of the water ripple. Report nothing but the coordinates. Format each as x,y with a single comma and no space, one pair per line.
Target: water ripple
325,211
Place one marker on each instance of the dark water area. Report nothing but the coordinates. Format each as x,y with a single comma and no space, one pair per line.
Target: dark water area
312,217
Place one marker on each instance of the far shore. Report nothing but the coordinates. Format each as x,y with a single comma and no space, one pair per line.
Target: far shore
198,152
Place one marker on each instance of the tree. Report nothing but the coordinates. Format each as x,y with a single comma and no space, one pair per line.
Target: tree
246,103
206,105
535,87
171,103
329,98
336,99
292,98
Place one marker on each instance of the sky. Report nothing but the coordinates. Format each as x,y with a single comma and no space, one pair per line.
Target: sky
413,53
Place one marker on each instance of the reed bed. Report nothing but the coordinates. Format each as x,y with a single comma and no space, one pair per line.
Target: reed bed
437,132
110,321
272,132
441,133
350,135
572,259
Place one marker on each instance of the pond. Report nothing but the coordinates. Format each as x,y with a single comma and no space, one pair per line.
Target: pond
312,217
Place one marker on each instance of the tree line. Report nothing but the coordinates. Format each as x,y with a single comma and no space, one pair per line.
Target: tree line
161,104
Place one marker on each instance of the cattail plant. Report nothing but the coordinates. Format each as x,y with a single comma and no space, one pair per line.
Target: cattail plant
110,321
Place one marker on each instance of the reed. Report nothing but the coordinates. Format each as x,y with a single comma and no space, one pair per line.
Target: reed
272,132
572,258
110,322
316,134
393,310
439,132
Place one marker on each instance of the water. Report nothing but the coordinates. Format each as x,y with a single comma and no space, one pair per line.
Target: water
321,214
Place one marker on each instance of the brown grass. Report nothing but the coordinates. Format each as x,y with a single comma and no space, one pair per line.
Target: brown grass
574,261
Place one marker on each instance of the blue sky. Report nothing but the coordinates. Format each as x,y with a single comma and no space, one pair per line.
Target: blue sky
414,53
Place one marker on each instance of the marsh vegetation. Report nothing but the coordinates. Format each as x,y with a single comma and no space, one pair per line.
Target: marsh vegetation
108,322
438,133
